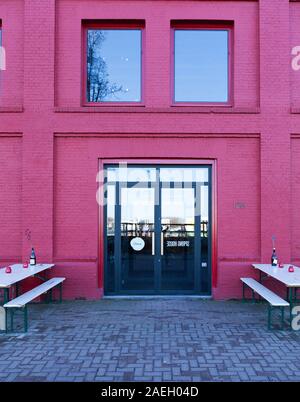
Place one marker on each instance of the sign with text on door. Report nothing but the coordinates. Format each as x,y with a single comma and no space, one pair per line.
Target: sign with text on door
179,243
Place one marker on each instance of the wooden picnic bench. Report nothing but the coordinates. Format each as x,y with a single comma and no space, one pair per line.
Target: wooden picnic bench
18,274
21,302
291,280
275,302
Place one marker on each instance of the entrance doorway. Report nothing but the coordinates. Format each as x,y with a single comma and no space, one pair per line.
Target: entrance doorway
157,230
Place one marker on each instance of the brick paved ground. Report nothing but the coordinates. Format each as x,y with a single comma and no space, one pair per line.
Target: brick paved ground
141,340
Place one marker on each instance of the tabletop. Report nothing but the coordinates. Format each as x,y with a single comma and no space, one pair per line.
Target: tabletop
289,279
19,273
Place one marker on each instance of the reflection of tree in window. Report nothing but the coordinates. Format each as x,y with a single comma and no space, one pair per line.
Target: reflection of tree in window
98,85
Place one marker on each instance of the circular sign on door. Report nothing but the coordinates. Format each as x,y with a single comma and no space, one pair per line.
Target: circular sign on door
137,243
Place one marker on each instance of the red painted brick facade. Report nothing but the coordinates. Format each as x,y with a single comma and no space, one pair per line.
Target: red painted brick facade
50,145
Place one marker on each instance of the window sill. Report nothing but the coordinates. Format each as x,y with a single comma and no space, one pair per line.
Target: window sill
166,110
295,110
12,109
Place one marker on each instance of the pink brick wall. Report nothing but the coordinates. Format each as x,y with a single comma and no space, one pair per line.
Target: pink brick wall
11,81
295,41
10,196
48,169
76,217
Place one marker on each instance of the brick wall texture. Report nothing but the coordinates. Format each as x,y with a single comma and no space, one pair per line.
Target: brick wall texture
51,144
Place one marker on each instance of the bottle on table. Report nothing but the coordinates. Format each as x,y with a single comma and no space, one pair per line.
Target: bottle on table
274,258
32,257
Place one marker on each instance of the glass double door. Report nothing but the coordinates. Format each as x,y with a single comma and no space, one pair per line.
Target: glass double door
157,233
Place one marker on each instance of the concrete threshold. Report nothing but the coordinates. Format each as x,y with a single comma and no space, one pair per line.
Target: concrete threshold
157,297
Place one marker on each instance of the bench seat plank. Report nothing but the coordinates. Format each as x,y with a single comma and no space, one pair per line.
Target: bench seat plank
264,292
27,297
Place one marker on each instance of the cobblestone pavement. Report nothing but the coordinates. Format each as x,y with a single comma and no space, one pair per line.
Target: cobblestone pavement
149,340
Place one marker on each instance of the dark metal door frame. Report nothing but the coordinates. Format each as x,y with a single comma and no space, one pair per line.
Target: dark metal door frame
158,185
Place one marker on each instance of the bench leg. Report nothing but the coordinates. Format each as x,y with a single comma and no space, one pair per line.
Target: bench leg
270,311
17,290
9,320
47,297
270,317
282,317
291,301
244,294
25,319
6,295
11,311
253,300
6,320
60,293
50,296
51,299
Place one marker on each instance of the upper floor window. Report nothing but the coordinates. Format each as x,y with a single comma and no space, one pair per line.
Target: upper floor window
2,52
114,64
201,65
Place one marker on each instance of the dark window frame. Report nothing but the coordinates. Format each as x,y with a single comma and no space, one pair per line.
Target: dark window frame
111,25
204,26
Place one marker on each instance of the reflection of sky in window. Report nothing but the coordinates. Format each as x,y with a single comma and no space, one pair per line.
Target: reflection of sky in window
137,205
121,50
183,175
131,174
111,202
201,66
125,173
204,200
178,206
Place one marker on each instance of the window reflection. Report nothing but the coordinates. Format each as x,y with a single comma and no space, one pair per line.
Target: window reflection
178,212
111,202
131,174
125,173
110,224
137,205
201,65
137,223
183,175
2,52
114,65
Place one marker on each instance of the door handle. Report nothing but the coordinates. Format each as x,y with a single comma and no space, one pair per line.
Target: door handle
153,243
